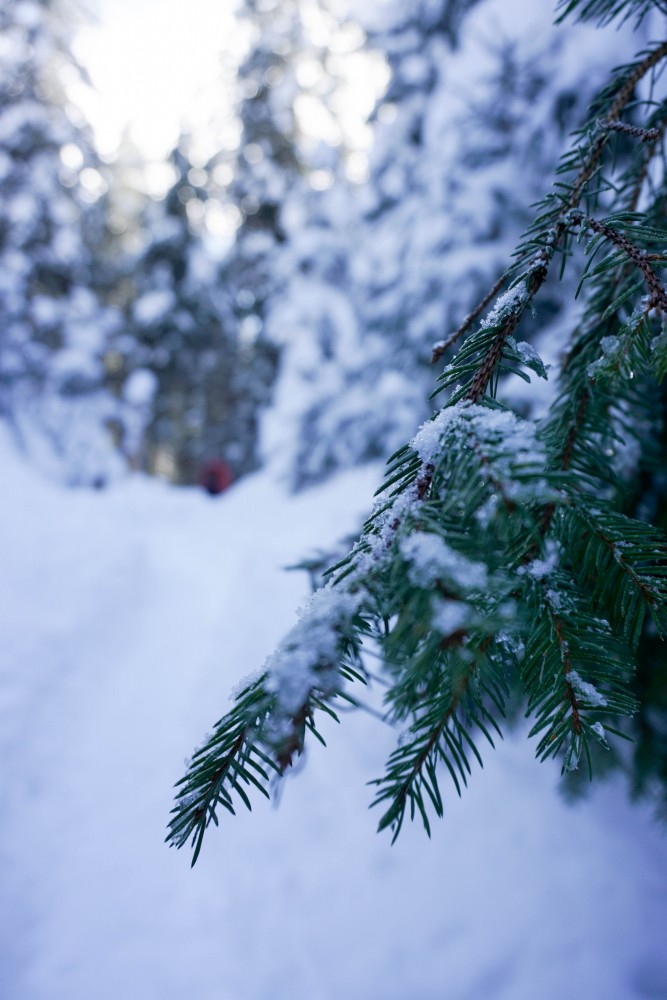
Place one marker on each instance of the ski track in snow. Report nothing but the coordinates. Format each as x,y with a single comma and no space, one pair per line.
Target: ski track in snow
127,617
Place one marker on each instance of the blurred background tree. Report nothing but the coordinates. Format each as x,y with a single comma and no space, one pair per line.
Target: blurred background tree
54,315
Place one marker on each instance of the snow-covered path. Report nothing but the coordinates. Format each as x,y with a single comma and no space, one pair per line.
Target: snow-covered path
127,617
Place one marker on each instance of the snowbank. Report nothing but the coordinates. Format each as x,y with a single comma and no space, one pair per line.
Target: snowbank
128,615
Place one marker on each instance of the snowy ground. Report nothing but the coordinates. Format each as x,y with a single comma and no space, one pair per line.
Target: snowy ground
127,617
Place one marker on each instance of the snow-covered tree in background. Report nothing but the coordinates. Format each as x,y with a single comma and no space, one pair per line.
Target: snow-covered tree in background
266,163
506,548
182,344
55,327
290,261
197,322
263,168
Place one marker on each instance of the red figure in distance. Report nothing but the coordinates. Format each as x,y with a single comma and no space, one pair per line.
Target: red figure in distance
215,476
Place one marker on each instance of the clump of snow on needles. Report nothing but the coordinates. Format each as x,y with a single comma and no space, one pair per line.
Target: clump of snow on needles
584,690
430,559
538,569
309,655
428,439
509,302
450,616
508,446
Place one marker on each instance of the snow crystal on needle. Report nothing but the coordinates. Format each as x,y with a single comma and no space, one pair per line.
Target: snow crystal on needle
587,691
527,352
514,644
598,729
431,559
509,302
450,616
426,441
529,357
611,348
539,568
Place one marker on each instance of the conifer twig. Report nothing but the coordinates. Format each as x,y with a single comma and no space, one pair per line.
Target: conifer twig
643,134
539,271
444,345
617,553
643,174
655,286
565,461
585,394
432,742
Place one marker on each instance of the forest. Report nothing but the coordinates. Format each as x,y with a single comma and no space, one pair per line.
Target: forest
342,423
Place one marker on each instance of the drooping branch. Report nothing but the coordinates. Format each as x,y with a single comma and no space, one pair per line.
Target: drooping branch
487,481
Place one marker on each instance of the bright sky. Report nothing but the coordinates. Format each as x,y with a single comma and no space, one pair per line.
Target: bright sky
157,68
153,64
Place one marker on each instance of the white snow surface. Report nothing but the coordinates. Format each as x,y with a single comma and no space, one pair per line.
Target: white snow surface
128,615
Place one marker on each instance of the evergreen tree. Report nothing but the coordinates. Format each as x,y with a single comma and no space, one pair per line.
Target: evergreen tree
198,314
55,325
324,418
505,549
183,345
265,167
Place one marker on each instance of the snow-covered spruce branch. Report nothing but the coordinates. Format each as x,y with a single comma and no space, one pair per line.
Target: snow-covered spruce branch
612,348
609,348
553,226
266,728
497,553
457,626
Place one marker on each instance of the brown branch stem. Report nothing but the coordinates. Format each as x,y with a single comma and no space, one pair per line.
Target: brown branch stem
653,283
567,667
636,131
